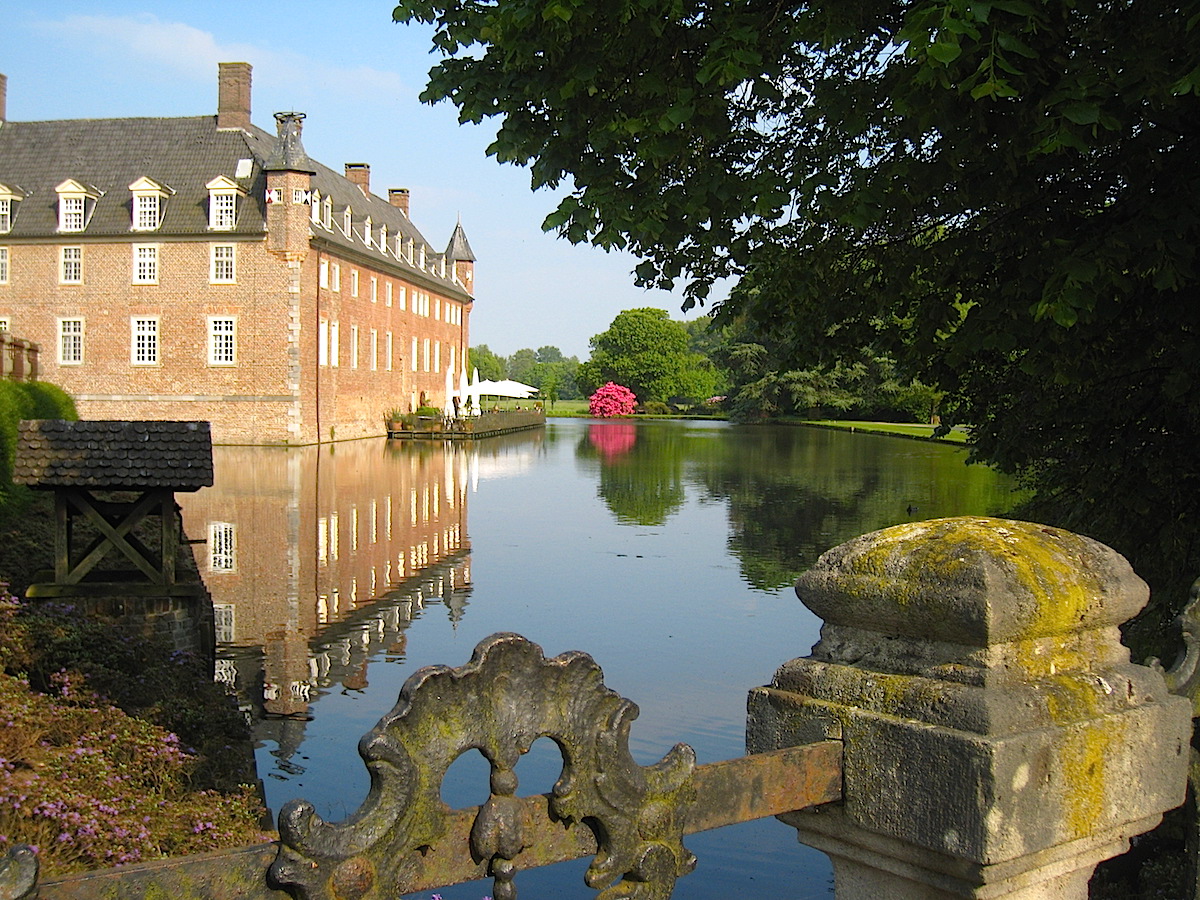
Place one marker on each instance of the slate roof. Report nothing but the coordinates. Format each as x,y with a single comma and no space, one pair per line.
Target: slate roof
114,455
184,154
459,248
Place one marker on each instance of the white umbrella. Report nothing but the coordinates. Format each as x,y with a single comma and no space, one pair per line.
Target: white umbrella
464,394
507,388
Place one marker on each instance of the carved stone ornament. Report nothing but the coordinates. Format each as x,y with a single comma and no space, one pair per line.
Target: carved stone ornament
19,873
499,703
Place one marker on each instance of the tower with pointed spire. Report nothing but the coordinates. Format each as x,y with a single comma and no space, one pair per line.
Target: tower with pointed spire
462,258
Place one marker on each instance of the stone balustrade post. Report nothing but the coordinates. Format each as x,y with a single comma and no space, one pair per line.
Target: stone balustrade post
998,743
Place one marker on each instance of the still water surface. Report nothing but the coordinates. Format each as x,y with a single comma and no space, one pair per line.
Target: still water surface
666,550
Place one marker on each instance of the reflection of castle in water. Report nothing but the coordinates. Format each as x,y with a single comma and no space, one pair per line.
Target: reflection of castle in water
317,559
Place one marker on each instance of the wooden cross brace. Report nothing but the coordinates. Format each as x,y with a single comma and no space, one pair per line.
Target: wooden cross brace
115,522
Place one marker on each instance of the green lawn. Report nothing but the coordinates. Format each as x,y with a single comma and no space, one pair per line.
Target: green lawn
957,435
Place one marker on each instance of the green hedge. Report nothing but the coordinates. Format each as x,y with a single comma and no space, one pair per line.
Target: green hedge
26,400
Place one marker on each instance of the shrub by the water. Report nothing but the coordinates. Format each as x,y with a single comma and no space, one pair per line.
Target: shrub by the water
112,748
612,400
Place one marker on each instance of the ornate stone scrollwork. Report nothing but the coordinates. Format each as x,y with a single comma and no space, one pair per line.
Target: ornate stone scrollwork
499,703
18,874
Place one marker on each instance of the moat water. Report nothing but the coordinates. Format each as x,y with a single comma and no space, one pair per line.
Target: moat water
666,550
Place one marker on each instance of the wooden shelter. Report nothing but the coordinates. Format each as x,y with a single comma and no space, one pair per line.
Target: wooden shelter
111,480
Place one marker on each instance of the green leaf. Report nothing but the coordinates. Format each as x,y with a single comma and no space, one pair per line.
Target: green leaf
945,52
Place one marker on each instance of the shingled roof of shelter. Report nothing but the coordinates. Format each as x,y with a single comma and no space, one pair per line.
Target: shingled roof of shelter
114,455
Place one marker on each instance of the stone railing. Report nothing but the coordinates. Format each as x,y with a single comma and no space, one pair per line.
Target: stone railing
968,726
18,358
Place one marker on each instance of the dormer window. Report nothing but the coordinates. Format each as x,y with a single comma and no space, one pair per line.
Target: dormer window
9,198
383,238
75,203
327,214
367,231
148,195
421,257
223,194
315,211
347,217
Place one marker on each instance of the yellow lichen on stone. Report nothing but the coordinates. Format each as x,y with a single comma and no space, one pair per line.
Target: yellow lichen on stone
1085,789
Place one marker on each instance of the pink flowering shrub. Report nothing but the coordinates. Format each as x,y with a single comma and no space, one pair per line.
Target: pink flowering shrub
612,400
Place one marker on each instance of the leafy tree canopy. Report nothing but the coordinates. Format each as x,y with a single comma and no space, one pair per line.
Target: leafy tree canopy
1000,194
491,367
648,353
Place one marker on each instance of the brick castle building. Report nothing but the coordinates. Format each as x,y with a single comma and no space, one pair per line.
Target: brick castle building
203,268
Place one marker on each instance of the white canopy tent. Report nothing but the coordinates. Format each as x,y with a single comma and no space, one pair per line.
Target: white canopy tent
506,388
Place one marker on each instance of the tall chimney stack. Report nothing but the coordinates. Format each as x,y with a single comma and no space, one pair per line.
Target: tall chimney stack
398,197
233,95
360,174
3,98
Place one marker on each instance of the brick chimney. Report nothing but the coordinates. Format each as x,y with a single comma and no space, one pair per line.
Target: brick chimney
3,98
360,174
233,95
398,197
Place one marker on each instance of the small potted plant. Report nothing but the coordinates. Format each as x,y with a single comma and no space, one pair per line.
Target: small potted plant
395,419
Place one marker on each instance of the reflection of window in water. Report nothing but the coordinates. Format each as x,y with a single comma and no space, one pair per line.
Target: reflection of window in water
223,622
353,527
222,546
322,540
333,535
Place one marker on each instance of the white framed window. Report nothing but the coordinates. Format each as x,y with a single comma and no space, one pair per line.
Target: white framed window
426,348
413,356
222,211
145,264
421,257
374,350
223,196
354,346
70,268
323,274
374,289
5,215
70,342
145,212
383,236
402,297
335,278
354,282
223,621
437,356
323,342
327,213
367,231
5,323
437,309
223,264
144,341
222,548
387,352
347,221
387,293
222,340
70,214
333,344
3,265
300,197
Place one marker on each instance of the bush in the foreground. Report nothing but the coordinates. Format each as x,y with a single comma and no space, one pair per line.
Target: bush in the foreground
612,400
89,786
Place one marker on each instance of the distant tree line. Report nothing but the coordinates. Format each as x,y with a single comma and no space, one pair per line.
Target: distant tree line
673,366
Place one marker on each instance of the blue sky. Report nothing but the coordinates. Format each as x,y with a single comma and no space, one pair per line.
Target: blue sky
357,76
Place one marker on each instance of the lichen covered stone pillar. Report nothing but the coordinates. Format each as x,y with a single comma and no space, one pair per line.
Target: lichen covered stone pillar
998,741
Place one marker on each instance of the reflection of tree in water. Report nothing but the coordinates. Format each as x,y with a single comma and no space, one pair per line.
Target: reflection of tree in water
641,469
794,493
